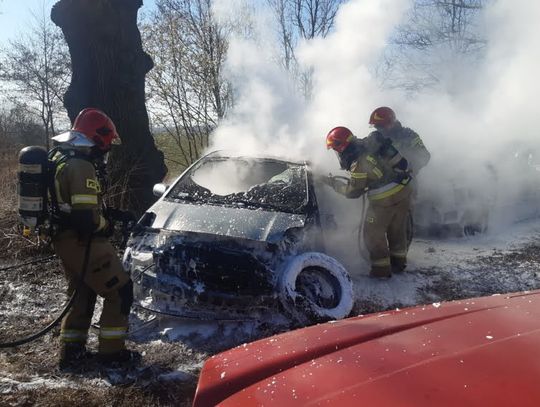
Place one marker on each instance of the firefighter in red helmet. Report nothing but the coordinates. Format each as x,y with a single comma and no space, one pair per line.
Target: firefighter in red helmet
78,158
407,141
377,169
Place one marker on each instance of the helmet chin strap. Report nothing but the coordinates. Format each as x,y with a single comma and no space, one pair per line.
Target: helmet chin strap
352,151
99,155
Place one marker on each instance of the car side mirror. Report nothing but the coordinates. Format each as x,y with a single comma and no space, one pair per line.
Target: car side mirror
159,190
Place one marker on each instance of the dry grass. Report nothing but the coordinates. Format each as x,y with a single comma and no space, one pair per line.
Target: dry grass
90,397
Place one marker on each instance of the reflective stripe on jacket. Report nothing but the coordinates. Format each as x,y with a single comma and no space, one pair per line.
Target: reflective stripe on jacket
375,176
77,187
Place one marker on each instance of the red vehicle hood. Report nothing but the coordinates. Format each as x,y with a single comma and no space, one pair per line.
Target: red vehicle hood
481,352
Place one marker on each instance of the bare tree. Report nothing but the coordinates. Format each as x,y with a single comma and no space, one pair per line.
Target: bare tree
18,128
443,29
302,19
186,88
37,66
109,71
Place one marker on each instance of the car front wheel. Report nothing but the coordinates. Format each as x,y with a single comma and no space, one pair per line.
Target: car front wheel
314,287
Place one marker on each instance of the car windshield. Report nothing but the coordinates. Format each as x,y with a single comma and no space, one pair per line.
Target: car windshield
246,182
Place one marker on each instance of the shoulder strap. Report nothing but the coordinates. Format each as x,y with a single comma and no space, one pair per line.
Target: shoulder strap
54,162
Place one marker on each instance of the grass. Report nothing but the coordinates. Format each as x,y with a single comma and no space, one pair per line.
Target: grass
173,155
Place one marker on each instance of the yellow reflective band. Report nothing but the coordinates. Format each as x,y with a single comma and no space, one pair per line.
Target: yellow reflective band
371,160
57,183
386,194
84,199
113,332
401,253
377,172
60,168
359,175
381,262
72,340
73,335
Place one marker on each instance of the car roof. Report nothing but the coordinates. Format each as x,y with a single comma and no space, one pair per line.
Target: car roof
483,351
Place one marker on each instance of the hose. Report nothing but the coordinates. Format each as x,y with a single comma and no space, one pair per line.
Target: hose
16,266
66,309
361,243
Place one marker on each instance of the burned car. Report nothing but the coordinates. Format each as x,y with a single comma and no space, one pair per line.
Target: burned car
234,237
456,212
490,194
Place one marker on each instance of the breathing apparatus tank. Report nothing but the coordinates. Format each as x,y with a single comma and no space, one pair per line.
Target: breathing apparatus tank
32,187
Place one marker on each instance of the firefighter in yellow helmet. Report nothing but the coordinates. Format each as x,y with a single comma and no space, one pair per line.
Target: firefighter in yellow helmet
77,207
378,170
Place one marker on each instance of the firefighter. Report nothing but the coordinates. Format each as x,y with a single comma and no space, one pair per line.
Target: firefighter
80,153
406,140
378,170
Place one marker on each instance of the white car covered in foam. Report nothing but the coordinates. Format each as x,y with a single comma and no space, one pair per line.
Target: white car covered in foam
234,236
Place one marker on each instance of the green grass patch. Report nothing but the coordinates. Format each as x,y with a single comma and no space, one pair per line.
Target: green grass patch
174,159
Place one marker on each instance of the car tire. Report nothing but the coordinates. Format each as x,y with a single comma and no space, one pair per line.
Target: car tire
314,287
476,223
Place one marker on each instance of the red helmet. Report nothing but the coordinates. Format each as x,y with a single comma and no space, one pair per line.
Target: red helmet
382,116
96,126
338,139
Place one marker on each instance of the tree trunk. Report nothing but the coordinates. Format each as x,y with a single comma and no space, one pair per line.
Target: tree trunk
109,69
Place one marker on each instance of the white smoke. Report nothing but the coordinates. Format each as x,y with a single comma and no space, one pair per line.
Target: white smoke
480,117
271,117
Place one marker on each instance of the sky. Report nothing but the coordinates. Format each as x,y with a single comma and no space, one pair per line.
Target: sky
16,15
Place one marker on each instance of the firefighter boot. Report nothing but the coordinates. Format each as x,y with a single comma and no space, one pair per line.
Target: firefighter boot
72,354
122,357
380,272
398,264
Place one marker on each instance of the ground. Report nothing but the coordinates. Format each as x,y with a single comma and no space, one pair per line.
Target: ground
173,350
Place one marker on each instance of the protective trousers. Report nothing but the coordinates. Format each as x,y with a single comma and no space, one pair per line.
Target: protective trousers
105,277
385,236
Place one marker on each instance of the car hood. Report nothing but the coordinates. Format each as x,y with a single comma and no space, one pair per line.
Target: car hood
218,220
473,352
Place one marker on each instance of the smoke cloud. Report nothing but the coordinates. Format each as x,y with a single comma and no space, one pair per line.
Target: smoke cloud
479,123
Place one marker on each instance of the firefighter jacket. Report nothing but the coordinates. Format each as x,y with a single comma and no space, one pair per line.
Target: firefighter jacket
377,176
410,145
78,193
